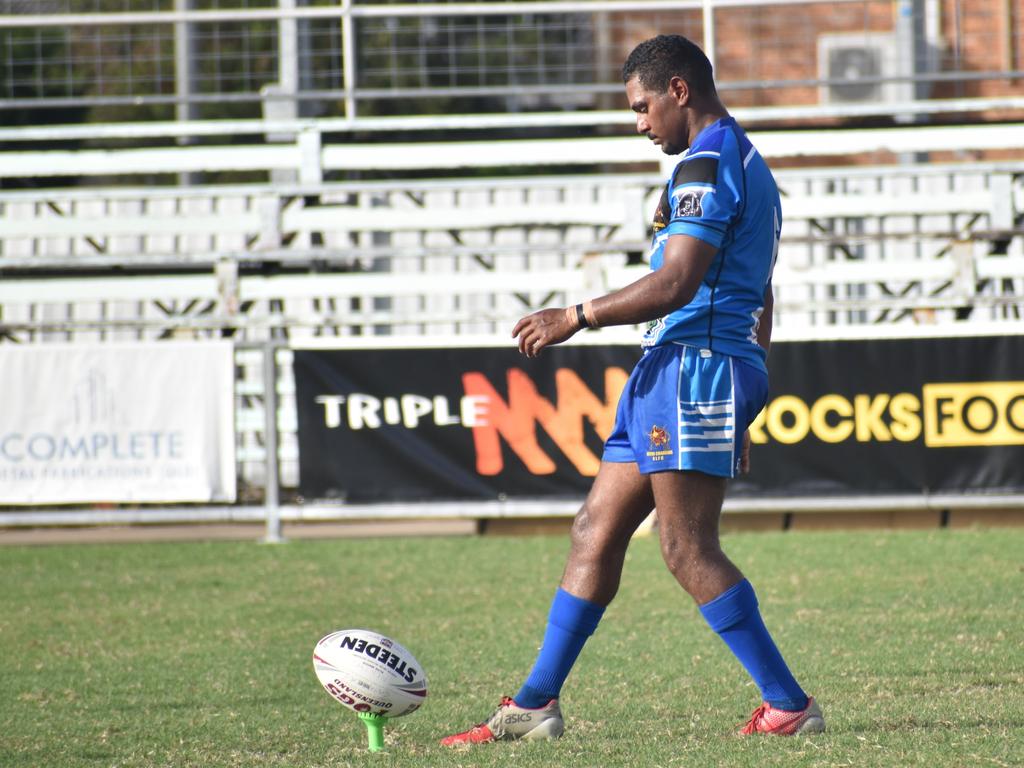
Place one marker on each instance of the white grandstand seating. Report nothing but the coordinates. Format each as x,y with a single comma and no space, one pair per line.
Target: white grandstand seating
421,256
862,246
310,157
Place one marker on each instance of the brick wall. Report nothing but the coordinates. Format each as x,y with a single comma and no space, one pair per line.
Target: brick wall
777,43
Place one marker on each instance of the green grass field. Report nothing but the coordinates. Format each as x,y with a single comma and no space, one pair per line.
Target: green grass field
199,654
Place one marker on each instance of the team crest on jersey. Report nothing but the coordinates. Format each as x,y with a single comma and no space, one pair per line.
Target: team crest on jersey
689,205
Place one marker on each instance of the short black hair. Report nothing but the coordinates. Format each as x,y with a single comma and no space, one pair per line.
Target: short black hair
656,61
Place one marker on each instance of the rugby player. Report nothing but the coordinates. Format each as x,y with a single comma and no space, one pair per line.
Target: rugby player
681,425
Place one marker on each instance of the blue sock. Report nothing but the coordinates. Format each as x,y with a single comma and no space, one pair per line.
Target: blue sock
571,621
736,619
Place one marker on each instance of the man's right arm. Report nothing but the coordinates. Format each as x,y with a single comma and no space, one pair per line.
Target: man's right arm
661,291
656,294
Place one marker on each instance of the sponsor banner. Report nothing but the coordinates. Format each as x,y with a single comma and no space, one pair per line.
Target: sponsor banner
117,423
479,423
844,418
891,416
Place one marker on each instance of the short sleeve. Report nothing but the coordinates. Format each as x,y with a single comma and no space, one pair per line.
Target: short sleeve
704,196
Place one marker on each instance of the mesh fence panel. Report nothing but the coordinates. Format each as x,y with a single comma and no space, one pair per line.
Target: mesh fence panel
413,60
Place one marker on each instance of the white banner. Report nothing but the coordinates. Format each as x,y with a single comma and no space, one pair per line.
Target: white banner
137,422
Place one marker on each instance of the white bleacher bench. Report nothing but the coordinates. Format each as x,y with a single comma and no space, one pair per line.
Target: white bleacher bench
185,301
311,285
339,218
383,219
917,224
100,227
882,205
301,300
204,226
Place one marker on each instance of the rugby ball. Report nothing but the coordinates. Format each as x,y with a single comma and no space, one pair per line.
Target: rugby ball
369,673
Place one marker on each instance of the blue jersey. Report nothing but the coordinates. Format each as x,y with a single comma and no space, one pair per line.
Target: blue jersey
723,193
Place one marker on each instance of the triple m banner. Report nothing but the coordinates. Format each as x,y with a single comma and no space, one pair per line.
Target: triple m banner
843,418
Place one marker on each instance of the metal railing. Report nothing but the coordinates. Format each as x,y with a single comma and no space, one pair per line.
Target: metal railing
187,59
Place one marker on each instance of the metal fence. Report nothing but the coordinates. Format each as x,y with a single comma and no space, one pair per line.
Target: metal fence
915,249
101,60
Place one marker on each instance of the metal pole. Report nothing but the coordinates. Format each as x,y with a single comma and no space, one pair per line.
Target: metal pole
348,55
288,49
708,17
184,80
184,52
271,483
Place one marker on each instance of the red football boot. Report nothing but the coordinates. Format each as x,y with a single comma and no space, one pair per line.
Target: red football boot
782,722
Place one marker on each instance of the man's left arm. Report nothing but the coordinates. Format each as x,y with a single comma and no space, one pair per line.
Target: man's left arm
764,340
764,323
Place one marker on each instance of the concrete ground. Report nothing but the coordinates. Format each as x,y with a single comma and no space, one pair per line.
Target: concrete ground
232,531
506,526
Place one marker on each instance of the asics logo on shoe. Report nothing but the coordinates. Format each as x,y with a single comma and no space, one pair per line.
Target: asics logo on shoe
510,721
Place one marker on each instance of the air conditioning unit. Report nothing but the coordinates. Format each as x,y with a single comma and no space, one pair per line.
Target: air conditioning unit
852,63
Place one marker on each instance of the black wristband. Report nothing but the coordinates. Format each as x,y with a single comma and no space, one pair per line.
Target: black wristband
581,318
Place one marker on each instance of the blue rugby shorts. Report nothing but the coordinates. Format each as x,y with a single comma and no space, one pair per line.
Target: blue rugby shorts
686,408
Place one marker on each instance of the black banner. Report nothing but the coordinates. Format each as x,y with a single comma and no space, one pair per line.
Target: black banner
843,418
891,416
480,423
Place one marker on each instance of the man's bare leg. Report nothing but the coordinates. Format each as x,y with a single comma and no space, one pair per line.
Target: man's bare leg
689,508
618,502
620,499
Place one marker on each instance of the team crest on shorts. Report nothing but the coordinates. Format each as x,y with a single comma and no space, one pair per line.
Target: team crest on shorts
658,438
